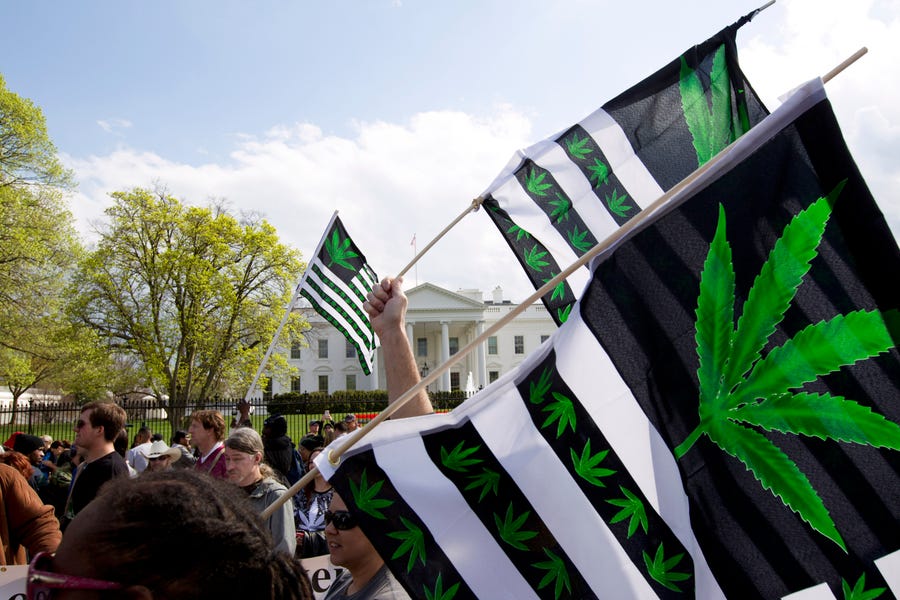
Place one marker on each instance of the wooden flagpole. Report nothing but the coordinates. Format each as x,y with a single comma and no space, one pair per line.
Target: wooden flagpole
610,241
473,206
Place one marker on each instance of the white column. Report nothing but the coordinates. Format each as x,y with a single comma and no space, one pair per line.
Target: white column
481,376
376,364
409,336
445,355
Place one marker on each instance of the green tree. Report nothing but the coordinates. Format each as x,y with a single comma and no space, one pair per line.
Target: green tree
38,249
193,293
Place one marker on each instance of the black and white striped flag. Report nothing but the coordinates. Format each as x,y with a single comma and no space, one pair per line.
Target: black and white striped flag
718,417
336,282
555,199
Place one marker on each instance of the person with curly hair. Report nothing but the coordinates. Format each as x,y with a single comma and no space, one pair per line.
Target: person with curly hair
172,534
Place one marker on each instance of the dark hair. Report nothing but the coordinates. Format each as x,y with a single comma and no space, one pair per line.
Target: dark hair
183,534
56,444
211,419
107,415
277,426
178,436
121,442
156,437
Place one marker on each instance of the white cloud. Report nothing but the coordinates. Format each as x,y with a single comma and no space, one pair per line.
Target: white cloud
389,181
114,125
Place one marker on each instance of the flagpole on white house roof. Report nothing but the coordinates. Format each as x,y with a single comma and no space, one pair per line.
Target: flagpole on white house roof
640,220
473,206
287,314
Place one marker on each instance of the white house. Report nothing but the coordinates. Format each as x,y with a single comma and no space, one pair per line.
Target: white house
438,324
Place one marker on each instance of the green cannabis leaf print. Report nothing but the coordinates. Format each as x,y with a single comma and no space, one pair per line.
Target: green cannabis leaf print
740,390
562,412
559,290
631,507
365,496
587,465
561,207
859,591
710,123
534,258
413,543
660,569
510,528
599,172
458,458
556,574
520,233
534,183
538,389
578,148
488,480
339,251
438,592
576,238
616,204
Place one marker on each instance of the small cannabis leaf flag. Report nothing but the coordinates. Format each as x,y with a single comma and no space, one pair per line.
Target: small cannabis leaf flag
740,389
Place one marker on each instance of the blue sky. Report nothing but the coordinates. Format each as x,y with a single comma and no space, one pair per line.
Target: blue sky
399,112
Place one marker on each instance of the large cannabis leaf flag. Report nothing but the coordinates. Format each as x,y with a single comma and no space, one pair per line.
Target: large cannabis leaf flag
556,199
718,416
336,282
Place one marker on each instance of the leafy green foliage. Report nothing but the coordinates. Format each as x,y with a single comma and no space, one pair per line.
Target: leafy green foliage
738,388
632,509
510,528
534,183
599,172
587,465
538,389
577,239
534,258
188,292
438,592
616,204
458,458
660,569
710,126
488,480
561,207
562,412
366,497
556,573
859,591
413,543
339,250
578,148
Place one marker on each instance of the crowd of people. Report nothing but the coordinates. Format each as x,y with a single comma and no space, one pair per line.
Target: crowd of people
185,516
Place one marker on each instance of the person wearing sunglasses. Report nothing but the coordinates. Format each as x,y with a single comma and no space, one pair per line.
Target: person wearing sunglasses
160,457
366,576
171,534
95,435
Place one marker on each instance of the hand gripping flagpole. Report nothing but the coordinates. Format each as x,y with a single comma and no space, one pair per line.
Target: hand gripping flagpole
287,314
662,205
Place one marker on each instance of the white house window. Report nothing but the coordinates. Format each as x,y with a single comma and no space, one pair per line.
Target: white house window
323,348
519,344
492,344
323,383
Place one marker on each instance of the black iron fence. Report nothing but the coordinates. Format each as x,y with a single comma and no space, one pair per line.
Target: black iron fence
57,419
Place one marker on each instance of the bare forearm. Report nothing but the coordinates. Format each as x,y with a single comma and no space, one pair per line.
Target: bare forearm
402,374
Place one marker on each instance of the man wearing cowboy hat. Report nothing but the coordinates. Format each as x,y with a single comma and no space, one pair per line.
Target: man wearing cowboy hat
160,457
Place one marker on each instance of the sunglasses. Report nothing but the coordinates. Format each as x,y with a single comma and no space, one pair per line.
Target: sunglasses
41,580
154,458
342,519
